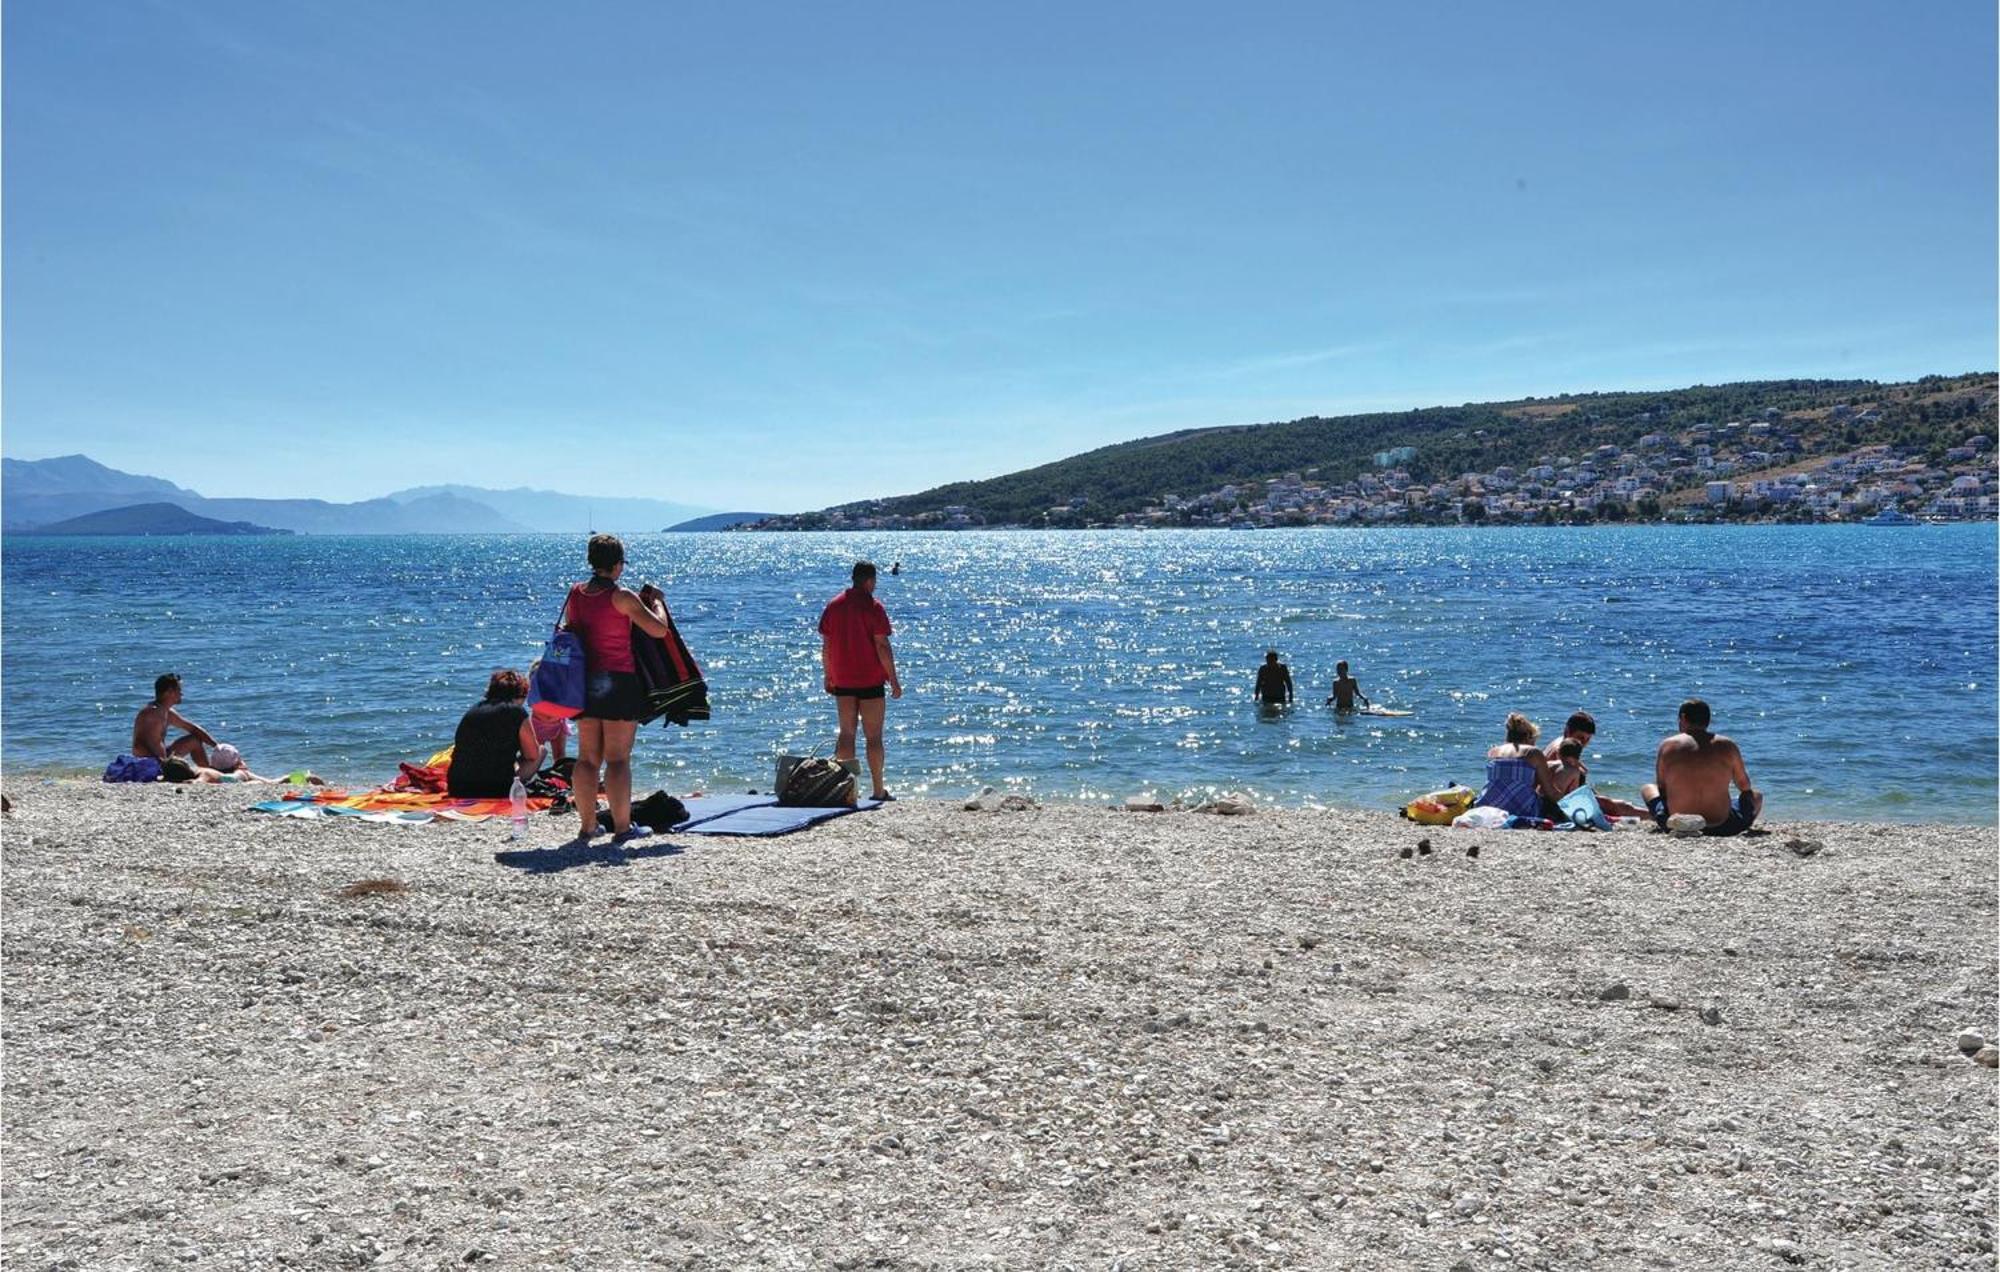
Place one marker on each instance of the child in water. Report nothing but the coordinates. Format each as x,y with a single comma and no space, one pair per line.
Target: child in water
1346,689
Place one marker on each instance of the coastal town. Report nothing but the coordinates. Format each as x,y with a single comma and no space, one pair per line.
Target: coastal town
1772,468
1732,472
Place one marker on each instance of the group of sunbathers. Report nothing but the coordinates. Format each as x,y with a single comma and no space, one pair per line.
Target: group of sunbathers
1692,772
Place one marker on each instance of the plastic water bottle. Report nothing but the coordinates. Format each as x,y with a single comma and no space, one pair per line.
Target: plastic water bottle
517,795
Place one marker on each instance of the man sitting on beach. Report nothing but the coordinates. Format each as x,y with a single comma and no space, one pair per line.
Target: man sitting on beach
1274,682
1346,689
181,760
1692,776
1580,728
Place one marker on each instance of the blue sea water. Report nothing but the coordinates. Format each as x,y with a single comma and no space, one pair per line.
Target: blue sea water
1855,665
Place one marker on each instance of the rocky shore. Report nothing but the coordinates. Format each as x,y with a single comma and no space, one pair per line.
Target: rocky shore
930,1037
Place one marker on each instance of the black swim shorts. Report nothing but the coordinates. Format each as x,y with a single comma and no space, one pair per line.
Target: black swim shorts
613,695
864,694
1739,820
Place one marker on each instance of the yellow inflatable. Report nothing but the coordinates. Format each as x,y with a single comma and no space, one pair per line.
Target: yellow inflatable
1439,807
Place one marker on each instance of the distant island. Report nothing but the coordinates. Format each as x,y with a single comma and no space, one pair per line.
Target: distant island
1769,450
718,521
151,519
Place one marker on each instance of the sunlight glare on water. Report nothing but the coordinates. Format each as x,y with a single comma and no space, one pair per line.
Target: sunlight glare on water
1854,665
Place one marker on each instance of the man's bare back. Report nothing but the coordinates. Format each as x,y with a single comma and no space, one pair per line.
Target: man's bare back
149,727
1695,775
1692,773
149,732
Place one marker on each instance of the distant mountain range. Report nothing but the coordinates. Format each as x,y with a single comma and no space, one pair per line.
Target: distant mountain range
150,519
555,512
40,493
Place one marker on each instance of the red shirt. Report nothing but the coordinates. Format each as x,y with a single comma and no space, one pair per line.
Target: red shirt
606,634
850,623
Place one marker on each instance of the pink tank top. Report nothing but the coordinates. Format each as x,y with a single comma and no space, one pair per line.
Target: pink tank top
606,634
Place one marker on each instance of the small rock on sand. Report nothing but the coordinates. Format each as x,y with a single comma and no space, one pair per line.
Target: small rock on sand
1227,807
1617,992
1804,847
1140,804
1988,1056
992,801
1711,1015
1970,1041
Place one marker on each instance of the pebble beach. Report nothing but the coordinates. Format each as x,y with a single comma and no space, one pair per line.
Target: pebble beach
926,1037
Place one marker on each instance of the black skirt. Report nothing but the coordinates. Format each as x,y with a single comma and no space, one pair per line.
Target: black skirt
614,695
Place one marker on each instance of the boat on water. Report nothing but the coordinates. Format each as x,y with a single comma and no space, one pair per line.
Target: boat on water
1891,517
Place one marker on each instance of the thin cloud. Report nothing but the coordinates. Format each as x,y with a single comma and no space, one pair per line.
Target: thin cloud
1269,364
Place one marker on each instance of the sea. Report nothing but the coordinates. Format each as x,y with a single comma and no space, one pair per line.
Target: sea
1855,665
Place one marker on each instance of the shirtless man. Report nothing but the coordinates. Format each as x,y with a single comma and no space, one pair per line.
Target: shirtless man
1274,682
1692,776
149,733
1580,728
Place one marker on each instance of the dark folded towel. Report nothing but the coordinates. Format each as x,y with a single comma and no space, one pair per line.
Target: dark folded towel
672,682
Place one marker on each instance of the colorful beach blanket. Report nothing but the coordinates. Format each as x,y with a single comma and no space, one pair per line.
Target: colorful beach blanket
402,807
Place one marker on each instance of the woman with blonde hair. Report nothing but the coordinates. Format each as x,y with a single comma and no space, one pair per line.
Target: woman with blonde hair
1518,776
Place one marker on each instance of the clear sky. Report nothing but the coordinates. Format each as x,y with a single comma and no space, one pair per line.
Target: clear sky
770,258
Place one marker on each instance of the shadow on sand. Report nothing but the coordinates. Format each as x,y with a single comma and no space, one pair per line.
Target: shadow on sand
575,853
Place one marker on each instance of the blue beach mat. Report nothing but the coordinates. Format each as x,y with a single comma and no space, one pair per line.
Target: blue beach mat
769,819
707,808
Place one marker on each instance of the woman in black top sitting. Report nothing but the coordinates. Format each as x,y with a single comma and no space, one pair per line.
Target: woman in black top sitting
495,742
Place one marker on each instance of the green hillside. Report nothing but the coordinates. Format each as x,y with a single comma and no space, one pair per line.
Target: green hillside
1928,417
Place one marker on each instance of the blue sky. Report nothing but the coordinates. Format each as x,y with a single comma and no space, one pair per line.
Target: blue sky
778,257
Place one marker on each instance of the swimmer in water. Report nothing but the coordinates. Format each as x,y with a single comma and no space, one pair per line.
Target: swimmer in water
1274,682
1346,689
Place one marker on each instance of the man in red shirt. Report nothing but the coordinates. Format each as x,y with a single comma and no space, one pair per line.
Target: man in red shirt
854,647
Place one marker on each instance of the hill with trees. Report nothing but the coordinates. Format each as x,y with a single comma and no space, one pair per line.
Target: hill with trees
1926,417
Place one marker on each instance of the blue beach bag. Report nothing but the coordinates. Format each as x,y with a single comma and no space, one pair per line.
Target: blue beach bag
555,682
1580,806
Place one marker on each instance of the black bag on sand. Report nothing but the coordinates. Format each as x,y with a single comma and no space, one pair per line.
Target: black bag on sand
818,783
658,812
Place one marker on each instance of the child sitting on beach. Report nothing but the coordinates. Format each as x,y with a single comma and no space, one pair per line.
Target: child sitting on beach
1567,773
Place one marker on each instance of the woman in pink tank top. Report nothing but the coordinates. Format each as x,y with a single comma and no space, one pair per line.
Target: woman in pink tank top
603,614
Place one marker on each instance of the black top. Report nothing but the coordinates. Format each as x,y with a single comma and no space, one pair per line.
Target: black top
485,751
